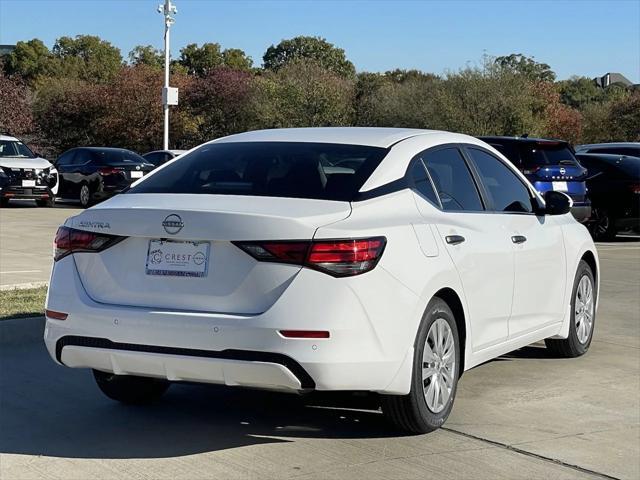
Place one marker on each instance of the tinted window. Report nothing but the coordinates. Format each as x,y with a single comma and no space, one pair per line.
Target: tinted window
422,182
157,158
510,151
13,148
275,169
82,157
634,152
115,157
546,153
66,158
506,191
453,181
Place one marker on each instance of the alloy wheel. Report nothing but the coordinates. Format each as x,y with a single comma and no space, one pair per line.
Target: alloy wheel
84,195
584,306
438,365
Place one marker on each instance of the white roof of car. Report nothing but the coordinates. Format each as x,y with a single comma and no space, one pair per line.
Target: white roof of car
372,136
8,138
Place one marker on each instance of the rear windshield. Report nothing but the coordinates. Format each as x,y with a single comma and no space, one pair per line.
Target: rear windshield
546,154
276,169
116,157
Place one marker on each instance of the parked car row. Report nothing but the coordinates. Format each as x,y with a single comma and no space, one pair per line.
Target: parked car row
602,180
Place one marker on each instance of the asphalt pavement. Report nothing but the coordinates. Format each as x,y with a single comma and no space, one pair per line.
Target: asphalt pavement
525,415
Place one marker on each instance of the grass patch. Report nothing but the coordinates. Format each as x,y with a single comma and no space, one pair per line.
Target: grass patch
22,303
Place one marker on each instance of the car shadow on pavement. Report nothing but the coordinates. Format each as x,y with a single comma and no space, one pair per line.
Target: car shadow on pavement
54,411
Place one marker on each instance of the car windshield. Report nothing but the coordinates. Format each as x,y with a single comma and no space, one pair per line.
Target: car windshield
537,154
116,157
276,169
15,148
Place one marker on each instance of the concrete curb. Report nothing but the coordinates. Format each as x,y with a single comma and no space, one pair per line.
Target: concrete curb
23,286
19,331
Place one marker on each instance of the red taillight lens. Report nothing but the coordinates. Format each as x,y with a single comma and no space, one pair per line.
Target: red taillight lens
69,240
109,171
340,258
635,187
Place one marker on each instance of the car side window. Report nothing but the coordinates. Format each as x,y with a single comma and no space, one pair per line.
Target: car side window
66,158
506,191
156,158
423,183
453,181
82,157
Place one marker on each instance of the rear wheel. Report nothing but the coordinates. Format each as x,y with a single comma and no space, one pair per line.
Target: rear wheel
435,374
130,389
85,196
603,226
583,316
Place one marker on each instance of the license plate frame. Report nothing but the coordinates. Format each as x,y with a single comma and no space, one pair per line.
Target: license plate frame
28,183
137,174
560,186
178,258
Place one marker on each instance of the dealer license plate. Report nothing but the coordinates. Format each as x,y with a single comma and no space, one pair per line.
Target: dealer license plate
178,258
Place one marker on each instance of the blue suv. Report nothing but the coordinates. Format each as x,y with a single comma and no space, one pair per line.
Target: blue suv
549,165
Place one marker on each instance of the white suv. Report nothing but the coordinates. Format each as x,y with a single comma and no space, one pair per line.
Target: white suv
384,260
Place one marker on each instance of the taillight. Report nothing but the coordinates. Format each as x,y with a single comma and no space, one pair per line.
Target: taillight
109,171
634,187
340,258
69,240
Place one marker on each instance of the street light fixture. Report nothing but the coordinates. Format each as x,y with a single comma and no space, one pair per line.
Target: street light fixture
169,94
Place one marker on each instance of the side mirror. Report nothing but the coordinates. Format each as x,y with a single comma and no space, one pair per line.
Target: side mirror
557,203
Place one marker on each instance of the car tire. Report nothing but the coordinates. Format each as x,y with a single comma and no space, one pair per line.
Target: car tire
603,225
581,327
85,196
419,412
49,203
130,389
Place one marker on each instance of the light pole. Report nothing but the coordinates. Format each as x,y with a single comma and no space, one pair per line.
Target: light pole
169,94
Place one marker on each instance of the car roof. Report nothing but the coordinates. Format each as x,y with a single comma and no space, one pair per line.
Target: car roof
368,136
498,138
104,149
174,151
612,144
8,138
606,156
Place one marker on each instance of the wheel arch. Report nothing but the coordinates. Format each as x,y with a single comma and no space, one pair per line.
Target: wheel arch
590,258
454,301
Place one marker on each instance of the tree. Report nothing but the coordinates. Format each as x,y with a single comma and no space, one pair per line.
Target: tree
577,92
558,120
15,106
201,60
317,49
625,118
236,59
87,58
219,104
30,60
147,55
302,94
521,64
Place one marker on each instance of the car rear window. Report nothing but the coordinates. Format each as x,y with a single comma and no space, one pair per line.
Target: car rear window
276,169
537,154
116,157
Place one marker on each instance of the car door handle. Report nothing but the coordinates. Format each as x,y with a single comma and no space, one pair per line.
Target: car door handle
518,239
454,239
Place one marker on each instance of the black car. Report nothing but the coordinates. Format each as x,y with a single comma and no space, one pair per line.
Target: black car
549,165
160,157
90,174
614,188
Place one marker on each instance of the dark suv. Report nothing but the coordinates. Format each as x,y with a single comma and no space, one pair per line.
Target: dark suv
549,165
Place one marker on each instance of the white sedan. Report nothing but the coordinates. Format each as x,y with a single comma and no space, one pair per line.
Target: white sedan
360,259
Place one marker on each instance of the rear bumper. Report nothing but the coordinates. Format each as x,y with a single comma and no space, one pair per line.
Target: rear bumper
25,193
246,350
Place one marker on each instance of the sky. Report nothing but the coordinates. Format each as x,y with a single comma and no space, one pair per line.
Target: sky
574,37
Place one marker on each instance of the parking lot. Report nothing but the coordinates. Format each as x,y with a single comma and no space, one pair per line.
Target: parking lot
525,415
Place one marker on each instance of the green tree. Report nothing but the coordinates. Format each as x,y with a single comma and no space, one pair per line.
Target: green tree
236,59
302,94
30,60
87,58
317,49
15,106
577,92
146,55
624,118
527,66
201,60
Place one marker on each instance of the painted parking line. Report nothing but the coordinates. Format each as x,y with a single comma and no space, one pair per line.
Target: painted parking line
20,271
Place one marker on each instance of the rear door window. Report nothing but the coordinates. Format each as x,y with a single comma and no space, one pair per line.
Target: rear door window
422,182
453,181
507,193
278,169
116,157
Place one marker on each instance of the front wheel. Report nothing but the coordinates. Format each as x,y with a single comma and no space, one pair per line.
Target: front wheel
435,374
130,389
583,316
50,202
85,196
603,225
